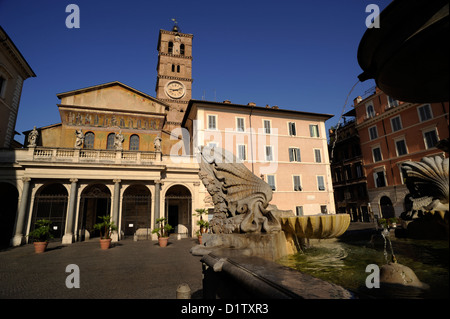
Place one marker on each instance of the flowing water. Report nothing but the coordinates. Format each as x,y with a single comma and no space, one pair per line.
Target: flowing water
344,263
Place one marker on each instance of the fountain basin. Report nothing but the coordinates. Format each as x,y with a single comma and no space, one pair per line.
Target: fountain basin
316,226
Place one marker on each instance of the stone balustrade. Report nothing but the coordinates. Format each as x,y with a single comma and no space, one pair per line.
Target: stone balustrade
93,156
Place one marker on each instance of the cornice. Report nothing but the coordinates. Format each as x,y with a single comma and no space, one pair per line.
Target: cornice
176,55
387,113
187,35
168,77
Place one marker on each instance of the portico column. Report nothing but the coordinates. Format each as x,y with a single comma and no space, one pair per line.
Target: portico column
18,234
68,236
115,215
157,201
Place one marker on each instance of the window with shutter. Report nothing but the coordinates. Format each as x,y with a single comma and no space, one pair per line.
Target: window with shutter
240,127
314,130
271,181
320,183
297,186
292,131
269,156
267,126
212,122
317,156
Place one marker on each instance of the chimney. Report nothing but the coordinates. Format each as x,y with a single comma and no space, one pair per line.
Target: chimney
227,101
251,104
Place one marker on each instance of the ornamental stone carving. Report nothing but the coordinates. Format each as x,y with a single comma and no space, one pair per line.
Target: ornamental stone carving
240,198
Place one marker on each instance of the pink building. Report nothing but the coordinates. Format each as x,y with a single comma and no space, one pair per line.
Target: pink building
288,149
392,132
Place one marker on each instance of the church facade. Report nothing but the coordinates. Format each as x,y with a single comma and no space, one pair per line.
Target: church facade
121,152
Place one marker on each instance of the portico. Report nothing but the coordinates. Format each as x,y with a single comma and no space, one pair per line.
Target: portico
133,195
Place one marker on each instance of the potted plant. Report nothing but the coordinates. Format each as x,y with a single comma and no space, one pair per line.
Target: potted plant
162,231
105,227
202,223
41,235
203,226
199,236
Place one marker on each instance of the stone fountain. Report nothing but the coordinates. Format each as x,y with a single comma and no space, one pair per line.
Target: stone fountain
243,217
248,234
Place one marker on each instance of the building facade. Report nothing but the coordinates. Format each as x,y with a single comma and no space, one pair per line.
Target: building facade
14,70
392,132
347,170
121,152
287,149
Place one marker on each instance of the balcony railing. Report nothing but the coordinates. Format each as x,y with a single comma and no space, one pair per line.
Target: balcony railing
94,156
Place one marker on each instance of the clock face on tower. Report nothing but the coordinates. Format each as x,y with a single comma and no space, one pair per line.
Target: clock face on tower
175,89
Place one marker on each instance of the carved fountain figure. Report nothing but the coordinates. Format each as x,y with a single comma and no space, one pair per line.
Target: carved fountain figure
241,208
428,184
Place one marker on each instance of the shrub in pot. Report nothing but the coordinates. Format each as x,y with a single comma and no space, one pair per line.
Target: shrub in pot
106,227
41,235
162,231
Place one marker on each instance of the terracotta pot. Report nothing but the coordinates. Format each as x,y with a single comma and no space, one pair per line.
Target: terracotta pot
200,239
105,243
163,241
40,246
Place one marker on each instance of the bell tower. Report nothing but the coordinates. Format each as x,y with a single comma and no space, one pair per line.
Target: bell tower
174,73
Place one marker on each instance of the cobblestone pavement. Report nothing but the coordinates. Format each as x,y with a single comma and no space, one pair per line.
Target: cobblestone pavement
135,270
129,269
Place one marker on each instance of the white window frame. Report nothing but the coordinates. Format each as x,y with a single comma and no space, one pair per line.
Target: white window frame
237,124
398,139
311,132
293,183
274,181
422,106
370,114
297,209
267,159
323,183
295,158
376,132
426,130
375,172
399,122
289,128
373,153
264,126
238,153
315,155
391,101
215,122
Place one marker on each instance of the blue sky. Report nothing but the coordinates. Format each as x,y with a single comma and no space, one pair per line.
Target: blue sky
297,54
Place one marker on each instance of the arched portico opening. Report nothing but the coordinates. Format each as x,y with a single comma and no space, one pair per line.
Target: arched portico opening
387,209
51,203
136,212
95,201
9,197
178,208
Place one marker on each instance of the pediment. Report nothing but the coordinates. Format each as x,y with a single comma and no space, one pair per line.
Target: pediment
113,96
